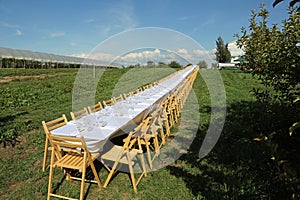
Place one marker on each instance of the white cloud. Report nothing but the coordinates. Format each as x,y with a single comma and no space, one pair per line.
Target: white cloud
103,56
106,29
89,21
210,20
7,25
234,49
182,51
57,34
196,55
157,51
181,55
183,18
124,14
11,26
122,17
80,55
18,32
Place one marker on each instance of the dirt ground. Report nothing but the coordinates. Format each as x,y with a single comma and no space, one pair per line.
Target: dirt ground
6,79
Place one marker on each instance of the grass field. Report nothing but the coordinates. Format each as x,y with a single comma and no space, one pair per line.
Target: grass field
237,168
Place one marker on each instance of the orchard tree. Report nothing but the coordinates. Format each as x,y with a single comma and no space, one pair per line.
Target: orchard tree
202,64
222,54
150,64
174,64
272,54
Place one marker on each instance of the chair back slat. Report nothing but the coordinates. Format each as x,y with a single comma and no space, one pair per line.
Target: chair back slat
54,124
70,142
126,95
109,102
118,98
79,114
95,108
49,126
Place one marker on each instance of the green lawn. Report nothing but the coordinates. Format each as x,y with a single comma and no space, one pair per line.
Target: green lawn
237,168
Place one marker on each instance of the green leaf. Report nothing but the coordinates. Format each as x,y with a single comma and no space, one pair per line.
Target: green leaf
276,2
296,100
292,3
294,127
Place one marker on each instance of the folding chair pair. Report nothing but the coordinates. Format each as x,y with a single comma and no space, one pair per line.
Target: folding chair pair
69,153
117,156
147,134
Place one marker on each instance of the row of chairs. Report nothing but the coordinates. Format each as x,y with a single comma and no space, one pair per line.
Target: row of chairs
154,129
151,134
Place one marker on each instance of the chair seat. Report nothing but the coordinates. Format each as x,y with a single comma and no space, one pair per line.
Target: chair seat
73,160
115,151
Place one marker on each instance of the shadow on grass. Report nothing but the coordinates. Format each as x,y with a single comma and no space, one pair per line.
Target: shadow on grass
9,130
75,173
254,158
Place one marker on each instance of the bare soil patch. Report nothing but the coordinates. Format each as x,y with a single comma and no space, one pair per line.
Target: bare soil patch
6,79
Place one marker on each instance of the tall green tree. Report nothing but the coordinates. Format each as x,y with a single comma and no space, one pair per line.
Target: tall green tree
273,54
274,57
222,54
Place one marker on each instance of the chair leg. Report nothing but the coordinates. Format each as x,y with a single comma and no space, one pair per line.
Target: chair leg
112,171
50,176
162,135
148,154
82,183
96,175
156,146
45,154
132,175
143,165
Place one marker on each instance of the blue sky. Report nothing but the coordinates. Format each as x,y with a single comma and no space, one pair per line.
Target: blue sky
75,27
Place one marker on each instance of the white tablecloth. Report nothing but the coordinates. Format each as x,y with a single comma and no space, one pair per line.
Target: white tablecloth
97,127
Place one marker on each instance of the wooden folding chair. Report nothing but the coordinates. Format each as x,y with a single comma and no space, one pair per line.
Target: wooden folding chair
137,90
171,108
139,137
109,102
119,98
79,114
164,118
157,128
168,112
145,87
126,95
148,134
124,155
49,126
74,156
148,86
175,107
95,108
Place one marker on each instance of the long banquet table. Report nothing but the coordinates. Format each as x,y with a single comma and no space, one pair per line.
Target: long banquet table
97,127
